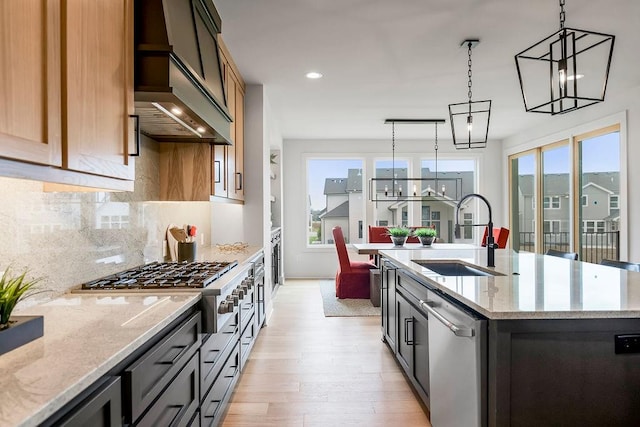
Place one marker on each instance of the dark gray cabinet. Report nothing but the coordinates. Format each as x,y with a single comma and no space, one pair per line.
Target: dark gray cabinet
215,351
103,408
177,404
388,302
413,344
147,377
214,402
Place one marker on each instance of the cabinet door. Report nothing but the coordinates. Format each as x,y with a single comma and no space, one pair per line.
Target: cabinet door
404,347
97,78
236,191
102,409
219,171
421,352
30,89
388,303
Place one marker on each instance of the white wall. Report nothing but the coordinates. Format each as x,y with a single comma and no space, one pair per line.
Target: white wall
625,110
301,261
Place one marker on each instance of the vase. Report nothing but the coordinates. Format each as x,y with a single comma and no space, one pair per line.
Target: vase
399,240
426,240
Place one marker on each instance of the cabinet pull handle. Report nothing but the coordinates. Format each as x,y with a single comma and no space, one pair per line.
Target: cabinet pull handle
216,167
457,330
183,349
406,331
239,181
137,119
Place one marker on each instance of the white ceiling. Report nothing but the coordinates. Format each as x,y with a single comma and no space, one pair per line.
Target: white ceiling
402,58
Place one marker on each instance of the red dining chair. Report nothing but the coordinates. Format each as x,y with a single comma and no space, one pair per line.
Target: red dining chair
352,278
500,236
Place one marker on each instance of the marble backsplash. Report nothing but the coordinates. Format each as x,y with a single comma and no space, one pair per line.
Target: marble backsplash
67,238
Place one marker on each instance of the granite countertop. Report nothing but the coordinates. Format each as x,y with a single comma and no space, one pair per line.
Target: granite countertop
85,336
532,286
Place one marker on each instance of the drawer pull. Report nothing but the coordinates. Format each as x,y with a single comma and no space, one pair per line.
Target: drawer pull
183,349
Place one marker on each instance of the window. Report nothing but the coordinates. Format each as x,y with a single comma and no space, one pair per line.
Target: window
551,202
468,231
335,198
551,226
593,226
613,202
585,171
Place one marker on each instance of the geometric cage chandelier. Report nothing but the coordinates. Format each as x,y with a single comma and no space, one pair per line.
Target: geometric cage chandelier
566,71
470,119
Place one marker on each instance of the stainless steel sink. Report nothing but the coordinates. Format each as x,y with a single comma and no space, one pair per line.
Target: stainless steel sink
455,268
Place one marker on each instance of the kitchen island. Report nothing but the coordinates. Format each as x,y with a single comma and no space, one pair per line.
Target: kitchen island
537,340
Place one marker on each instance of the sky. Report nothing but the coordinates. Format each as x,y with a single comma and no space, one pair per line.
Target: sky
599,154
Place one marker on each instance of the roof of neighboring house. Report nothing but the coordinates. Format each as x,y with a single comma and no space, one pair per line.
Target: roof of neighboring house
340,211
558,183
335,185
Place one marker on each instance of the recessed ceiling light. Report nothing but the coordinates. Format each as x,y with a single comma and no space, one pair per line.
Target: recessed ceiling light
176,111
201,129
313,75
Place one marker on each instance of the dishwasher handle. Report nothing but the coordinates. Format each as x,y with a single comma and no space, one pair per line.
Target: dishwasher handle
457,330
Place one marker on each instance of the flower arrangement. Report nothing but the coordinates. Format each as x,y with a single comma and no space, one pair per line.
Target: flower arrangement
12,289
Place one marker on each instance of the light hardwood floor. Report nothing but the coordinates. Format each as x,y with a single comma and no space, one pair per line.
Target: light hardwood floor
309,370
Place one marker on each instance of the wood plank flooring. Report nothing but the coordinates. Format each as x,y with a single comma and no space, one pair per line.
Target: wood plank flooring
308,370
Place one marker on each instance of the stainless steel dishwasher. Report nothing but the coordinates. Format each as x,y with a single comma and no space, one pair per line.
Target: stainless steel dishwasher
457,364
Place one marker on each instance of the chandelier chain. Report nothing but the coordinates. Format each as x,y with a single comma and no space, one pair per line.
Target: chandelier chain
562,14
469,73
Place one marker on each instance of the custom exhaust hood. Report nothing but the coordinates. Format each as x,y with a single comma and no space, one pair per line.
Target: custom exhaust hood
179,94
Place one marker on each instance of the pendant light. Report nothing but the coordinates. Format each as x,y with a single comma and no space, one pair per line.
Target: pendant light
405,189
470,119
566,71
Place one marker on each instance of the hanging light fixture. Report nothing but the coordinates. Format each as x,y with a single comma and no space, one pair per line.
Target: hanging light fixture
404,189
471,118
566,71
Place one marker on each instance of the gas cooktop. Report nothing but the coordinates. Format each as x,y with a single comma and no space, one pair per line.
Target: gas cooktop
164,275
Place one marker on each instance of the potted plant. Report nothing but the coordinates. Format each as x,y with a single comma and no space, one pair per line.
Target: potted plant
398,235
425,235
18,330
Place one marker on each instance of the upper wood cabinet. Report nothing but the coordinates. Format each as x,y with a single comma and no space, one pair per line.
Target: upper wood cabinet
67,87
30,111
234,89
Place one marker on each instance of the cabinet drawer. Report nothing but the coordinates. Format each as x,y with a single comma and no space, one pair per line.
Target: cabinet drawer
102,409
145,379
179,402
247,309
214,352
213,404
247,339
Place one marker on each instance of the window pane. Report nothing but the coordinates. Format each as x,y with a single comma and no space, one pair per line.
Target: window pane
458,179
523,202
556,186
335,199
600,182
390,213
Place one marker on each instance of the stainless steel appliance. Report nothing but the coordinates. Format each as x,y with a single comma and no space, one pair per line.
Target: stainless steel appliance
223,294
457,373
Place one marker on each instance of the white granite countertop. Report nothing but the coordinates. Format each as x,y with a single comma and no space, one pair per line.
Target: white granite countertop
533,286
84,337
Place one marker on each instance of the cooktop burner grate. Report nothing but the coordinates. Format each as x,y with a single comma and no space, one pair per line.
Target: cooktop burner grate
164,275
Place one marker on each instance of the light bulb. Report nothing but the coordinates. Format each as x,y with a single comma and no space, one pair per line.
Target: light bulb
562,72
443,189
386,190
400,191
469,123
429,190
415,189
176,111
